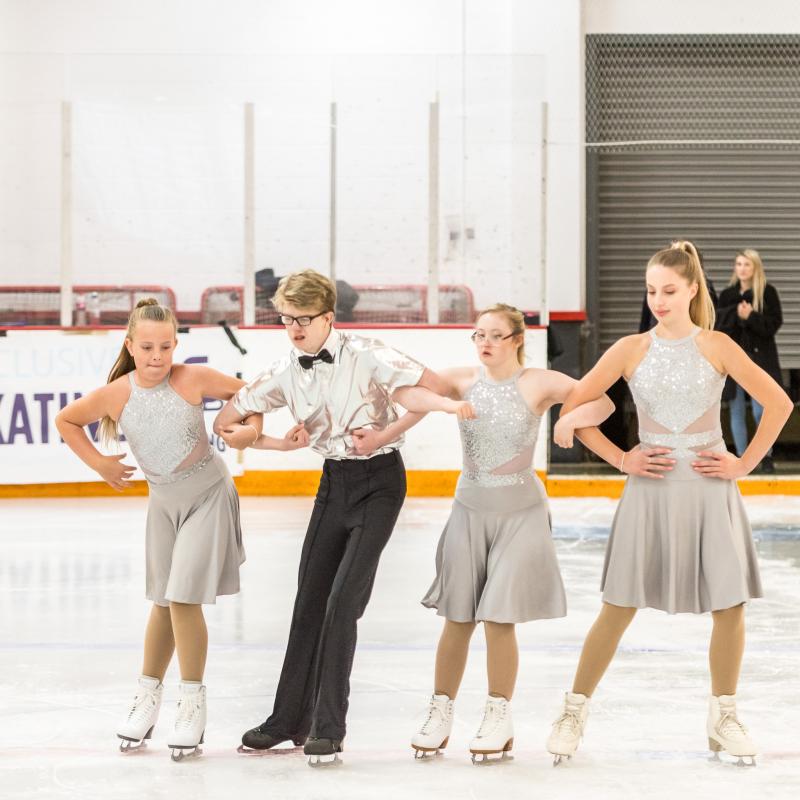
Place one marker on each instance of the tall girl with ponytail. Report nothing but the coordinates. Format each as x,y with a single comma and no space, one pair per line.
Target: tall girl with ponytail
680,540
193,541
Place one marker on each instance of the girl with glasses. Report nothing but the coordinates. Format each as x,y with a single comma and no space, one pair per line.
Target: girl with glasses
496,562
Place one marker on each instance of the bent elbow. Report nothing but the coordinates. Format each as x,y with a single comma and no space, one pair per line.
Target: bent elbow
402,396
61,423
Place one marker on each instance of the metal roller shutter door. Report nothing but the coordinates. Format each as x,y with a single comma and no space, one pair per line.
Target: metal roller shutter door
723,200
698,137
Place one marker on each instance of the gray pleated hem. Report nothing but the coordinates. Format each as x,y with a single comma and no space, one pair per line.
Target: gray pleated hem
680,547
494,566
194,538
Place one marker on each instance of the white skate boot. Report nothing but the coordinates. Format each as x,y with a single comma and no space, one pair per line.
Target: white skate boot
568,728
138,725
432,737
496,733
725,732
190,722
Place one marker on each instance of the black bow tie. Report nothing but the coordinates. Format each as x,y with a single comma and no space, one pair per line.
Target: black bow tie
306,362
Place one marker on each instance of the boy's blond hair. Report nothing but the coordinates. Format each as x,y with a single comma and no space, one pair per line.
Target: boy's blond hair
306,289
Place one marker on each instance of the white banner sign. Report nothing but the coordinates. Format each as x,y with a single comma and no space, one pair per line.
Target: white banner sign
42,371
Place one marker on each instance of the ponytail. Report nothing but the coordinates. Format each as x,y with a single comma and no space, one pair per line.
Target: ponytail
683,258
147,308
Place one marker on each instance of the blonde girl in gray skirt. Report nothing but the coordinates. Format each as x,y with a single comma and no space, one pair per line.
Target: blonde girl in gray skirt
680,540
496,562
194,542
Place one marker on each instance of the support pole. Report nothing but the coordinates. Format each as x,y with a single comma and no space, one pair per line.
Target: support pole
332,230
433,212
249,276
66,215
544,308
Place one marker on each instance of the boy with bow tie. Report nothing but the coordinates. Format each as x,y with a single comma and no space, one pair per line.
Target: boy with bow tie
339,388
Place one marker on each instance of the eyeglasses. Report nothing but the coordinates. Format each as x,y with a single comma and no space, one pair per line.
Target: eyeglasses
493,338
303,322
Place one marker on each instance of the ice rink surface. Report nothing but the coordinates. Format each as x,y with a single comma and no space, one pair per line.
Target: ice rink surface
71,627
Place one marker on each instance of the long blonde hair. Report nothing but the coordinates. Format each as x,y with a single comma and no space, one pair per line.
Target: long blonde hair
759,277
148,308
515,318
682,257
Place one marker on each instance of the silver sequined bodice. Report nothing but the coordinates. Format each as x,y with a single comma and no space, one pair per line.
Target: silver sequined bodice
674,387
498,445
163,430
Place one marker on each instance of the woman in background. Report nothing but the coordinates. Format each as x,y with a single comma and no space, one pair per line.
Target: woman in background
750,313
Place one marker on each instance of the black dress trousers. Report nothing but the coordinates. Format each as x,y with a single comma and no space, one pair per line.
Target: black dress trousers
355,511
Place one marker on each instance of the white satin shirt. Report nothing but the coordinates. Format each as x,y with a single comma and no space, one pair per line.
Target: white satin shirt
335,399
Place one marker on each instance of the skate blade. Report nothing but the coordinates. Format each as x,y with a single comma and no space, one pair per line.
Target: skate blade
481,758
131,745
316,762
733,761
491,759
421,753
271,751
740,761
486,760
426,754
182,753
559,758
128,745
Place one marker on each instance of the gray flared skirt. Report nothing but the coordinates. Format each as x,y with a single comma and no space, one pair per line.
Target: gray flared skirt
496,561
194,538
680,546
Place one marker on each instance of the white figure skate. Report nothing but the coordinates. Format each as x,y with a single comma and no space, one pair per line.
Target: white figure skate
141,719
568,729
190,722
495,737
726,733
434,734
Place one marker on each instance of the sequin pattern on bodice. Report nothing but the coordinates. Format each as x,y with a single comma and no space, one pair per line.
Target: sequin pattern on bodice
677,392
166,434
498,445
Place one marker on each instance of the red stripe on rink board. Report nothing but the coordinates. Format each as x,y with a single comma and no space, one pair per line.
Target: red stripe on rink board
555,316
383,326
567,316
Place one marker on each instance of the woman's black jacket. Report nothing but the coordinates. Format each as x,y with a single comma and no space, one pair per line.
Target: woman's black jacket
756,334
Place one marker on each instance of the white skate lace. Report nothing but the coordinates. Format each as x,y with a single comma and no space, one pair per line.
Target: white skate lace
187,709
569,722
143,705
435,718
491,719
730,727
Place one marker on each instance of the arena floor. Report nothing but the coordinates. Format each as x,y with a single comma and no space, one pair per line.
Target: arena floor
71,586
